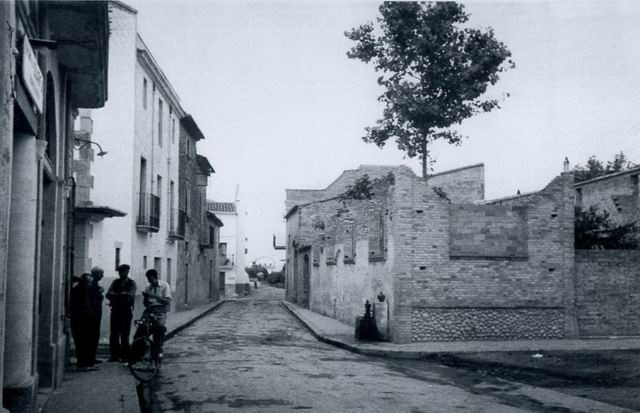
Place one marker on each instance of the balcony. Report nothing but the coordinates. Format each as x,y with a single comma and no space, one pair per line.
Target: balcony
207,237
177,223
148,213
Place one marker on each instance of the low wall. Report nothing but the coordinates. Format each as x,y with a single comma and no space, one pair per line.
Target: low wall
449,324
608,292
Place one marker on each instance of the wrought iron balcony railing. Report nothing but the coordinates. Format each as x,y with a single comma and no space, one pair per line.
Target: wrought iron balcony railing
177,223
148,213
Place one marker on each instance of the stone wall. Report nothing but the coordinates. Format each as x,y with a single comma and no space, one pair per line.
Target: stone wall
608,292
437,324
334,234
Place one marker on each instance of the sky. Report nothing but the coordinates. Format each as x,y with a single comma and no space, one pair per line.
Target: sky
281,106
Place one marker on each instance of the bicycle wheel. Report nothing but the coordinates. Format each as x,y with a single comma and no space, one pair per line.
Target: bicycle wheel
143,362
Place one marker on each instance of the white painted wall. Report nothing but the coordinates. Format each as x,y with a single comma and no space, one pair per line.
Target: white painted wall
113,128
127,131
232,233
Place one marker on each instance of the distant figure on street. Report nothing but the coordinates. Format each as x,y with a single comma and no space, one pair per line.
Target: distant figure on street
157,301
96,297
81,318
121,296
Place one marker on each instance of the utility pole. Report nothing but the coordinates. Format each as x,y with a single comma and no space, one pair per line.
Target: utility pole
7,95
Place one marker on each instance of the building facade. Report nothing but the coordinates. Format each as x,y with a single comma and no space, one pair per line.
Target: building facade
232,248
446,264
53,60
617,193
196,230
149,176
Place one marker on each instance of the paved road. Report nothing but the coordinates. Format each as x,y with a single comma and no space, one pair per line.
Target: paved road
252,355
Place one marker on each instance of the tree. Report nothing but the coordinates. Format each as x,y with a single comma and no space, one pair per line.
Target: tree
595,168
594,230
434,72
365,188
255,269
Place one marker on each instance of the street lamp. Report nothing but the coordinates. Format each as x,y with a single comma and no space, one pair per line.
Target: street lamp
80,143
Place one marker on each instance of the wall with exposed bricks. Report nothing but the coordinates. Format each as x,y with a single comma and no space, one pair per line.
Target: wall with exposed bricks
608,292
452,271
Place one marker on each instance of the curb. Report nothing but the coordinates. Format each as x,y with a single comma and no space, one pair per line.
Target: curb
447,358
394,354
190,322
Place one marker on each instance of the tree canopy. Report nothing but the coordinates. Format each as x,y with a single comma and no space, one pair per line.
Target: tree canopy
434,71
595,168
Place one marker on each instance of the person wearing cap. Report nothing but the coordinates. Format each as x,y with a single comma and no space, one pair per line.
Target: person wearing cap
96,297
121,296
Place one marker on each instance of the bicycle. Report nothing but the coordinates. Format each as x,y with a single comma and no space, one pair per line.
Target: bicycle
144,359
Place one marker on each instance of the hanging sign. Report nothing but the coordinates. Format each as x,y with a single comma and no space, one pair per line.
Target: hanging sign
31,75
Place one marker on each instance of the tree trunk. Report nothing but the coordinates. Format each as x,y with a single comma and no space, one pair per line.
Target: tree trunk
425,157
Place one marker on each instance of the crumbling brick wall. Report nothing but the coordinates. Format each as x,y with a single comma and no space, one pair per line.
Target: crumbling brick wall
451,271
440,296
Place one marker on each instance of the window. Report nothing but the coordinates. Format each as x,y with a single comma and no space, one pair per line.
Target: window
157,265
117,258
159,193
349,242
169,271
144,93
160,122
223,249
144,262
188,147
143,175
376,235
173,130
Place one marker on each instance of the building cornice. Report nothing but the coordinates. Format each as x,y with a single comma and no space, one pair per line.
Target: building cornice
149,64
631,171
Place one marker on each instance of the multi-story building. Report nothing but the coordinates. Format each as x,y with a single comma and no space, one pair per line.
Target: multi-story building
53,60
140,173
196,229
232,248
143,177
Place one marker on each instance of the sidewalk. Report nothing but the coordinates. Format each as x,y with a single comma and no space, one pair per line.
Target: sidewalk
338,334
111,389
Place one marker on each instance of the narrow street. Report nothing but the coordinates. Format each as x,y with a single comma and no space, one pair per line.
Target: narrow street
253,355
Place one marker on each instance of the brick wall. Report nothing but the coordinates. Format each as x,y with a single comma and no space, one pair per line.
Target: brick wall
528,293
608,292
487,231
461,184
491,294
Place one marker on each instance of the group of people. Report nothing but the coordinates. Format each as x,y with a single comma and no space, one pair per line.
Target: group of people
86,300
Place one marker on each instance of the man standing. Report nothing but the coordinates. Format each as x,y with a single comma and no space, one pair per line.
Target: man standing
81,320
95,301
157,301
121,296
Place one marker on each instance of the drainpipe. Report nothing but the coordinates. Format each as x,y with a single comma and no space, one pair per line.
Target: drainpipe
7,95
